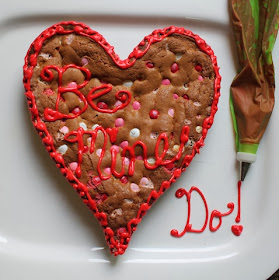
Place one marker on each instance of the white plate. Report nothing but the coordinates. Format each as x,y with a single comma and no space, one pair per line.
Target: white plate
47,233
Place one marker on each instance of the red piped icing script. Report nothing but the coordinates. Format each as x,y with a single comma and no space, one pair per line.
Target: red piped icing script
117,244
215,214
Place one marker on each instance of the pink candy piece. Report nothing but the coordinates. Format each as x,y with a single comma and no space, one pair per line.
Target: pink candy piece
64,129
175,96
134,187
115,148
144,181
124,144
118,103
126,161
72,85
73,165
119,122
171,112
136,105
200,78
174,68
48,91
76,110
166,82
98,152
139,158
84,61
107,170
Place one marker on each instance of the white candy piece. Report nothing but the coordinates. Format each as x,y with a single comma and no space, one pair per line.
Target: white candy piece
151,160
127,83
45,55
95,126
126,200
190,143
198,104
62,149
154,135
176,148
70,38
135,132
83,125
198,129
178,56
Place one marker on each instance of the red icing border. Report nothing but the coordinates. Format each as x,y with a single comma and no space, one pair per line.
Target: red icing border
116,246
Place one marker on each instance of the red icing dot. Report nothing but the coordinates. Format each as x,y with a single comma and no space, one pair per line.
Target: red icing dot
149,64
170,166
102,105
154,114
174,68
185,96
85,149
124,180
198,67
121,231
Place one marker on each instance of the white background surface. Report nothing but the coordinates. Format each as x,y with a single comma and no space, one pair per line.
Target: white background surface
45,230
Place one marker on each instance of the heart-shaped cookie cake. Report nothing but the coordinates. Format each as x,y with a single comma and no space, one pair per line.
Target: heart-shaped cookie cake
121,131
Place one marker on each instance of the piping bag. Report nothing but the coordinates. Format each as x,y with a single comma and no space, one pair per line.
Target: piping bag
255,25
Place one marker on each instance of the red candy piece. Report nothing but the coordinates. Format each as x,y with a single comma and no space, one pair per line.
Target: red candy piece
185,96
96,180
198,67
149,64
124,180
99,198
102,105
154,114
174,68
